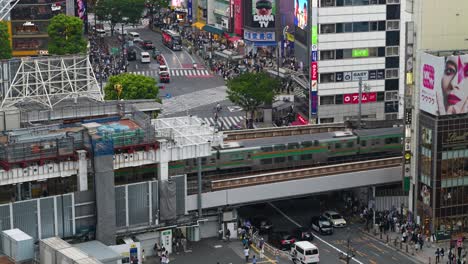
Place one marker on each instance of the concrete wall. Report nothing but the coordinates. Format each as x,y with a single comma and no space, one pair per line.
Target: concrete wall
295,188
442,24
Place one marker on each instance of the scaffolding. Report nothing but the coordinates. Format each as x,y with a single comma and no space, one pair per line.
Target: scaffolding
5,7
50,80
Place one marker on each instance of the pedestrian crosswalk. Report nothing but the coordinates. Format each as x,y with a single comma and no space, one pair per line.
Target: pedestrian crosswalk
225,122
190,73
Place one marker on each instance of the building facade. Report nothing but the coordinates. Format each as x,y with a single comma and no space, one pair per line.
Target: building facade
347,41
29,22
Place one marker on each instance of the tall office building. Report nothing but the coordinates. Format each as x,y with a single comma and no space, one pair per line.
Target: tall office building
436,117
347,41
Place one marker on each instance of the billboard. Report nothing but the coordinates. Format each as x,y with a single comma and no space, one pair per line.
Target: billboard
263,12
177,3
365,98
300,13
444,84
314,71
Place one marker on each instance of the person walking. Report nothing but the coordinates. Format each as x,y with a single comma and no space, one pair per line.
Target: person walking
437,256
254,260
442,253
228,235
246,254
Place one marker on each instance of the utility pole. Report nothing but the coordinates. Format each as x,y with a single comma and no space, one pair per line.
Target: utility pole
278,36
366,88
349,253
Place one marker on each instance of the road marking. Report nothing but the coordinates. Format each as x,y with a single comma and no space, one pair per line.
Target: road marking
380,250
395,259
372,261
258,251
218,246
298,225
326,250
375,254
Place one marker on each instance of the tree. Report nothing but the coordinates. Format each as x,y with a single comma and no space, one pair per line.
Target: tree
66,35
5,47
120,11
252,90
131,86
154,5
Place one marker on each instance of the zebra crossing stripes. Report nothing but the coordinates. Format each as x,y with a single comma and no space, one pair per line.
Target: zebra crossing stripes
151,73
190,73
226,121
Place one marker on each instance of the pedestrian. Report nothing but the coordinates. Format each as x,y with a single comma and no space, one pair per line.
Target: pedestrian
437,256
143,257
228,235
254,260
246,254
442,253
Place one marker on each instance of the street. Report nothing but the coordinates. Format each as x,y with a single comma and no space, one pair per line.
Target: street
191,91
289,214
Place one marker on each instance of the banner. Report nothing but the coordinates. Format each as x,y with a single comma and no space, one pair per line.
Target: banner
444,84
189,10
263,12
238,17
300,13
354,98
313,93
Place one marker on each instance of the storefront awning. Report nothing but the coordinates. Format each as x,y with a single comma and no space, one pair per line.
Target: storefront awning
261,43
198,25
214,30
234,38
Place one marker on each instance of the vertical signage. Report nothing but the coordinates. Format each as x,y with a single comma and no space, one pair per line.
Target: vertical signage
313,95
238,17
189,10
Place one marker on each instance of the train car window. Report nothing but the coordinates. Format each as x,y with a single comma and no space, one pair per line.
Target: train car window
293,158
350,144
279,147
203,161
266,149
337,145
212,160
316,143
306,157
391,141
280,159
237,156
249,155
377,141
293,145
266,161
187,162
363,143
306,144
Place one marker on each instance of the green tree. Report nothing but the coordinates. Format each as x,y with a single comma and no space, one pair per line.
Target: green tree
252,90
120,11
131,86
154,5
5,47
66,35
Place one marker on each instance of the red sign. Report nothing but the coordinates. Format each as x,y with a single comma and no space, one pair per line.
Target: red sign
354,98
313,70
238,17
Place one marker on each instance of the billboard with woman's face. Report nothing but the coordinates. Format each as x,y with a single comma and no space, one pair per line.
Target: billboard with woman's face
444,84
300,13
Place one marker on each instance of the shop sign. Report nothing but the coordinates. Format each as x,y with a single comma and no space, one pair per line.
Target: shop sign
313,67
364,75
357,53
314,55
339,77
314,35
259,36
354,98
189,9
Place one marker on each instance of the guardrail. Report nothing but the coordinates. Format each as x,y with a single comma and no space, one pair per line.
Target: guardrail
282,131
289,175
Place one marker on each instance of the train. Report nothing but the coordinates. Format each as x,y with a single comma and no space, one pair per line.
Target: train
285,152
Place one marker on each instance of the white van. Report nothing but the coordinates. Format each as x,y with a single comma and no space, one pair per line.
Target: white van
134,35
304,252
145,57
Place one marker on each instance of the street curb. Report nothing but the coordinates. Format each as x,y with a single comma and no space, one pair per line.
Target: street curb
411,257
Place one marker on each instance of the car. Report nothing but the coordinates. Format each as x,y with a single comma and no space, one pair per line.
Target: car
146,44
262,224
131,54
145,57
321,225
164,77
282,240
156,53
335,218
303,234
137,40
163,68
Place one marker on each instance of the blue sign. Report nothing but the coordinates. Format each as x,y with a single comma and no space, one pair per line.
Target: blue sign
314,56
314,102
189,10
259,36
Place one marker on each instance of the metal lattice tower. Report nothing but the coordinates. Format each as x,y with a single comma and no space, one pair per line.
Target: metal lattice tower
5,7
50,80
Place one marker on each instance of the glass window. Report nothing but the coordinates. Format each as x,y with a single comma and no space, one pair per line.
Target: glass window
306,157
361,2
280,159
381,25
363,143
327,3
327,28
350,144
327,77
337,145
391,73
373,26
392,51
293,145
380,96
339,54
279,147
393,1
327,100
347,53
327,55
267,149
372,52
339,28
327,120
339,2
266,161
391,96
348,27
360,26
306,144
393,25
339,99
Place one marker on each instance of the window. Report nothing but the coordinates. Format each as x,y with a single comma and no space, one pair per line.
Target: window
374,26
363,143
266,161
327,55
339,99
306,157
360,2
361,27
348,27
327,120
391,73
327,77
392,51
327,100
393,25
393,140
391,96
327,3
393,1
381,25
373,52
279,147
293,146
306,144
347,54
280,160
350,144
337,145
380,96
391,116
327,28
266,149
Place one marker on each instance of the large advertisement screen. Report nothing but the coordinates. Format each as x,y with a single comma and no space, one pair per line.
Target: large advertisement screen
300,13
177,3
263,12
444,84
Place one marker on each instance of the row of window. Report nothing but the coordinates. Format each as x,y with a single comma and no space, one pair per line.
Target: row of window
340,54
331,3
388,96
364,26
332,77
390,116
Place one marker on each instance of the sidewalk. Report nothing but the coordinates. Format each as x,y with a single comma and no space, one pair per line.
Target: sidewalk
393,241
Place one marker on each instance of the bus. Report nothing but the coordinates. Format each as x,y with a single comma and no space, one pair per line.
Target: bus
172,39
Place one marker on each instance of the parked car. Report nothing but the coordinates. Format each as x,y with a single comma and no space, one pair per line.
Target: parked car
281,240
263,224
335,218
146,44
321,225
303,234
164,77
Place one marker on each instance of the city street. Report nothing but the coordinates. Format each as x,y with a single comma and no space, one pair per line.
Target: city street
289,214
